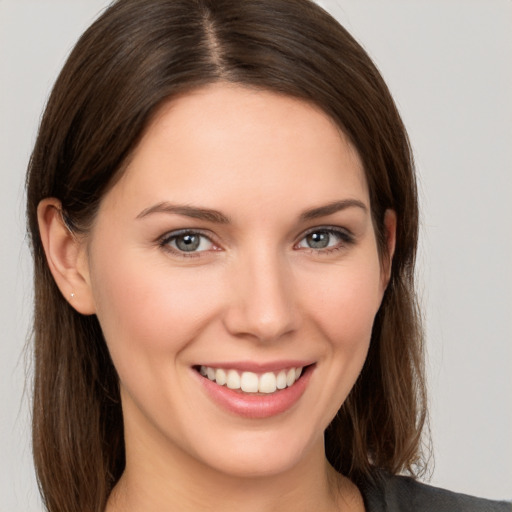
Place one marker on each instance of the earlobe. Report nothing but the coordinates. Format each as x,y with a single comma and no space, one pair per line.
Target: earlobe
66,256
390,221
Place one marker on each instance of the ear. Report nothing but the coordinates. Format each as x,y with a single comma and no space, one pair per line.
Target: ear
66,255
390,239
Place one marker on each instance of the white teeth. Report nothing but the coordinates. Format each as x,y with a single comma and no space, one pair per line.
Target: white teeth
233,380
281,380
267,383
250,382
220,377
290,377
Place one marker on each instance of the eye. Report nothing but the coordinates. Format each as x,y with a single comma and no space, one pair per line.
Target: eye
187,242
325,238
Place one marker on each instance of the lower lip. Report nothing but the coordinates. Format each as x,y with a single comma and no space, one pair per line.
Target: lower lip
257,406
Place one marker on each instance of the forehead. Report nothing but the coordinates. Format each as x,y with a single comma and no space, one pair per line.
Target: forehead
226,141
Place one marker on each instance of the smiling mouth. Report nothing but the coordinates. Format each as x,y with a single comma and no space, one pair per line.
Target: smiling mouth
251,382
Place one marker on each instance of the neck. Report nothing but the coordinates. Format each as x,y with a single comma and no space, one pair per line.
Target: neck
176,481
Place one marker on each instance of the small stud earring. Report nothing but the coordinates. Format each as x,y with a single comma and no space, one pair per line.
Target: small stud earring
72,295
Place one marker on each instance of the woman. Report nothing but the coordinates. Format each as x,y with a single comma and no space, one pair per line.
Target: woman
223,213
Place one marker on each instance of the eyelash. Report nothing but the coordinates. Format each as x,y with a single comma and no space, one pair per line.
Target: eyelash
346,239
167,239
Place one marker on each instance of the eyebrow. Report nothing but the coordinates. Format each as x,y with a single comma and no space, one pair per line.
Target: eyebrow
329,209
217,217
188,211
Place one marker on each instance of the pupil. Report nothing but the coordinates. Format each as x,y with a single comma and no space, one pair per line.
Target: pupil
318,240
187,243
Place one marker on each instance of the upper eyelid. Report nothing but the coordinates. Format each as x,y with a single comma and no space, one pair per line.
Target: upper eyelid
186,231
331,229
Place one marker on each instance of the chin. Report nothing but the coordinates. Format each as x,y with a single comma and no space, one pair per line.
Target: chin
261,460
260,451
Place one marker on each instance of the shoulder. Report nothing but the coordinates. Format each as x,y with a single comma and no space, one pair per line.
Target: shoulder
387,493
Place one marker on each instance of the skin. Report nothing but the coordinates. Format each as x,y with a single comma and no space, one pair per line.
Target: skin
253,291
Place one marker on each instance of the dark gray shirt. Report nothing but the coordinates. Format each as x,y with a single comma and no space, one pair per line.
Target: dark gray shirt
388,493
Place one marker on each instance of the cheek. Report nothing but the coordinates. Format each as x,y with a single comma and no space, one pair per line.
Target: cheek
149,310
342,310
345,304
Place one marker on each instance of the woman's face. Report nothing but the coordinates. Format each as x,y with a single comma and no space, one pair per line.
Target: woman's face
238,244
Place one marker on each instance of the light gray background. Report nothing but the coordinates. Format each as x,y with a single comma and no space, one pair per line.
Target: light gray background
449,66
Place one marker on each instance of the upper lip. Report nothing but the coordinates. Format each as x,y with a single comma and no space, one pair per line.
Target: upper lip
258,367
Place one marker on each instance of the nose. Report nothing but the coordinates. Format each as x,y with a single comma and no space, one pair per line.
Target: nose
261,304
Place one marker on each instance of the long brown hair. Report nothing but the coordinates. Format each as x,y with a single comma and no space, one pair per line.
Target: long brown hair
137,55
